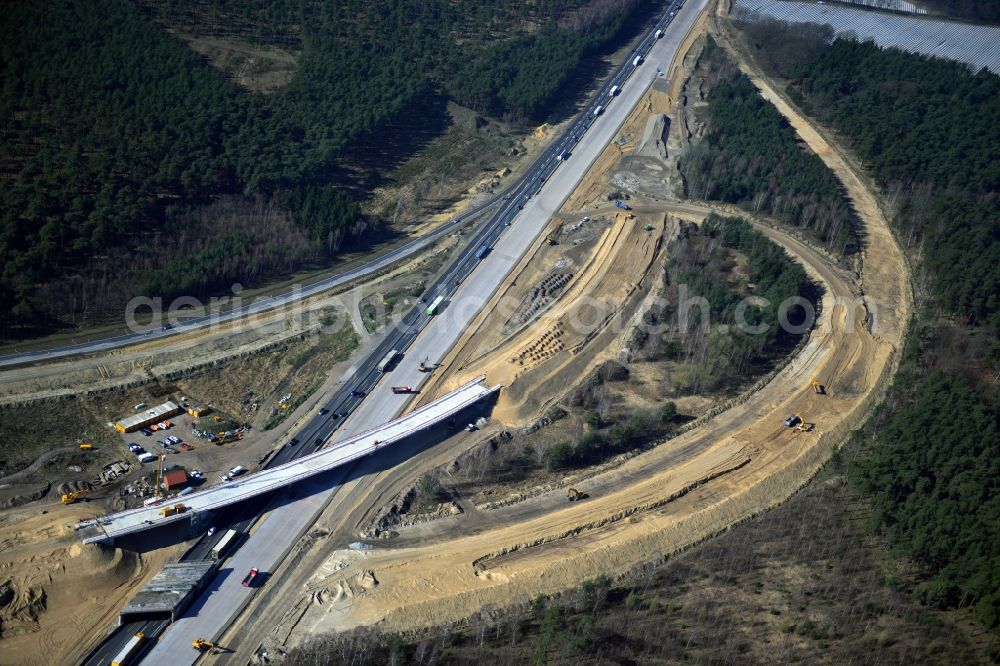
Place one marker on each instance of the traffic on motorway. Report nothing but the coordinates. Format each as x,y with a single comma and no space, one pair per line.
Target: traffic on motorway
400,336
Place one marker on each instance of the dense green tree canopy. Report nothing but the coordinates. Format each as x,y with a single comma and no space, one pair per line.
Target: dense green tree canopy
115,134
934,479
927,130
751,157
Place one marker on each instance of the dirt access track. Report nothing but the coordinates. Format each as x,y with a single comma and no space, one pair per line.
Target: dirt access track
734,465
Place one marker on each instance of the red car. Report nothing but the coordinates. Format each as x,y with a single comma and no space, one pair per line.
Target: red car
248,579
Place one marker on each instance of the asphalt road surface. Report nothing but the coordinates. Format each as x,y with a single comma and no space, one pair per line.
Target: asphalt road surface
465,284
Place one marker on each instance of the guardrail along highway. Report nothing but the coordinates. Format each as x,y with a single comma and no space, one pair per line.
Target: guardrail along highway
364,401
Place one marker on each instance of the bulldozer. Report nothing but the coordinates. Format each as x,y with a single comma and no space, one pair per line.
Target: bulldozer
74,496
573,495
819,388
201,645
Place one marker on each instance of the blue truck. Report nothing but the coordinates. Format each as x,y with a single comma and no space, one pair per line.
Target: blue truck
483,251
621,204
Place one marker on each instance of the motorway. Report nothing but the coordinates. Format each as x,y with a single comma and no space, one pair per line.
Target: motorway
526,207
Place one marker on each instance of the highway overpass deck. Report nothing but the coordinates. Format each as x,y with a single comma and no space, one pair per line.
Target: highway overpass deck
339,453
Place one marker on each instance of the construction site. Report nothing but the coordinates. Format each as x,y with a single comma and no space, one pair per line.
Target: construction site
472,518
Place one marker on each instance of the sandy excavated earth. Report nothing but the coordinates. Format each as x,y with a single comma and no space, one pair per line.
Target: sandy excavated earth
734,465
47,577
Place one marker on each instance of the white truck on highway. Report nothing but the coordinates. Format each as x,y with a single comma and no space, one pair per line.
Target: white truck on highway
223,544
389,359
637,61
614,91
598,110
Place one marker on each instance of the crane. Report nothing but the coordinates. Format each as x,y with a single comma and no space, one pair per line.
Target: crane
159,475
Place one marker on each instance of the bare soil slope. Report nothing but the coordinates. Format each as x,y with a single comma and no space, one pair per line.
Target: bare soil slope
738,463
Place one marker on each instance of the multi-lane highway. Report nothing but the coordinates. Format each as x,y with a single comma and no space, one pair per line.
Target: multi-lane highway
525,207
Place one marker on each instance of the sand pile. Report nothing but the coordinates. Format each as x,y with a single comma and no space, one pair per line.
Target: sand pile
57,595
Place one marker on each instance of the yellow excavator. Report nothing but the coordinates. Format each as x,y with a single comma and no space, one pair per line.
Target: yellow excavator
819,388
573,495
74,496
223,438
201,645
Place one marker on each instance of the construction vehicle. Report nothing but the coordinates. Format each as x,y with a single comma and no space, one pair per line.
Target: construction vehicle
201,645
427,366
621,204
792,420
172,510
819,388
74,496
227,437
648,227
86,447
159,475
573,495
551,239
805,427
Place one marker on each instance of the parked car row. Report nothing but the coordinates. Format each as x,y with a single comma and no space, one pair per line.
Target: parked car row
142,454
162,425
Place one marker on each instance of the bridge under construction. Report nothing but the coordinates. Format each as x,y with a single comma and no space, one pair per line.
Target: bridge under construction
108,528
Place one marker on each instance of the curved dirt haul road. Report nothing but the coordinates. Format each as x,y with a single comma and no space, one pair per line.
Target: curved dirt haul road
732,466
